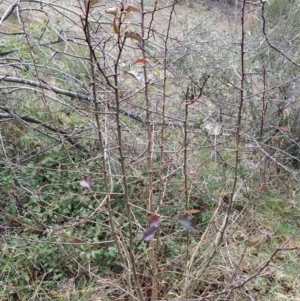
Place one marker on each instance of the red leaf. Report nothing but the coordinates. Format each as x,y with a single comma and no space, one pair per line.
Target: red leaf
154,221
264,189
149,233
141,60
86,182
187,222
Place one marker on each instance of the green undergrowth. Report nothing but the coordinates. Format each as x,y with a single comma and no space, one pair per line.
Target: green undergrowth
38,258
57,242
42,254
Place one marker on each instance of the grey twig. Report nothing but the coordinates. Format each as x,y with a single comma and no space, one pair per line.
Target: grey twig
8,12
32,83
268,40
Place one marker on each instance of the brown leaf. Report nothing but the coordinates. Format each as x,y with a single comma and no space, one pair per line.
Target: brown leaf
264,189
91,3
116,25
131,8
141,61
194,211
134,36
283,129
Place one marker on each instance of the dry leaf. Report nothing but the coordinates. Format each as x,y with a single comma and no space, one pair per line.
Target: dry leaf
141,61
283,129
187,222
116,25
267,233
131,8
112,11
86,182
194,211
91,3
264,189
134,36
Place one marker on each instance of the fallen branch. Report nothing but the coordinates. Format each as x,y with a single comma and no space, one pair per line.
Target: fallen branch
44,86
11,115
88,98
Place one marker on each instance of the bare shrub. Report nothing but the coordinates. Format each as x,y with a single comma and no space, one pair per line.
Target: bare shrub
144,149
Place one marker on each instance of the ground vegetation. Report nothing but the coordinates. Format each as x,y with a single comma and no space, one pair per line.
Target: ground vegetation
149,150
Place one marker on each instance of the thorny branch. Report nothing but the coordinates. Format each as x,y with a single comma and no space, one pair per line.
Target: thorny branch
267,37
